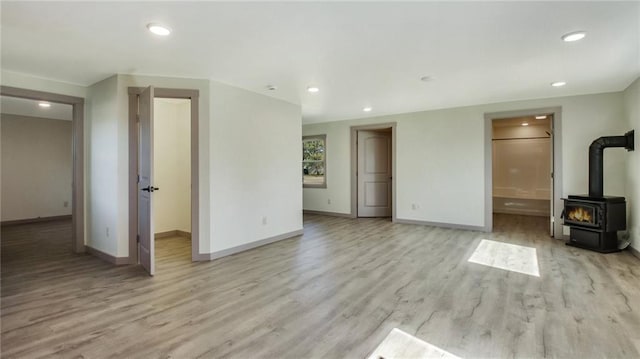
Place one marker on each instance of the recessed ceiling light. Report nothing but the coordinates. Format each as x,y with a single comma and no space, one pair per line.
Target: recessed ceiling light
367,109
541,117
574,36
558,84
525,124
44,104
312,89
159,29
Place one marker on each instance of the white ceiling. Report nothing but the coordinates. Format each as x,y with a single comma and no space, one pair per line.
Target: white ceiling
359,53
25,107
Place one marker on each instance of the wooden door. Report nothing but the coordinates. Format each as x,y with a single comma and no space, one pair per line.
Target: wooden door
145,181
374,173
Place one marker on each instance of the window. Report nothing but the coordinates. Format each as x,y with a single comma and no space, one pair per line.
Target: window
314,151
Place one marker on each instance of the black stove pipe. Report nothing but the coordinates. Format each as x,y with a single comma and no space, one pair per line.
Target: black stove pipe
596,152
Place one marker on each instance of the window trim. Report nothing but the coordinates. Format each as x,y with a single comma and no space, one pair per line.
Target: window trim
323,138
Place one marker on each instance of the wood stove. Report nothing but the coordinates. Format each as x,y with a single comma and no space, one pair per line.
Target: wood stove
595,219
595,222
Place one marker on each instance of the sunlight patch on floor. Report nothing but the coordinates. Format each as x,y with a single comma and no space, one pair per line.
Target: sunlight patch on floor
511,257
399,344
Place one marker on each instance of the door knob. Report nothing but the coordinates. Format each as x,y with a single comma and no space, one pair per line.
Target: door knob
150,189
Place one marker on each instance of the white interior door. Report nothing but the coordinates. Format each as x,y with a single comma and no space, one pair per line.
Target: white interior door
374,174
145,181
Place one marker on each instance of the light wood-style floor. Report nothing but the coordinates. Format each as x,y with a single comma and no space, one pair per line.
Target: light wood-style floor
335,292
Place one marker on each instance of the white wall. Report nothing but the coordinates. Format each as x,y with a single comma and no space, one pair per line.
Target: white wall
632,116
256,146
172,165
102,166
36,167
440,156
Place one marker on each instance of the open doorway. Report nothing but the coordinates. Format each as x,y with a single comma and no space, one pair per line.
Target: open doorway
43,164
163,175
552,134
522,154
172,175
372,171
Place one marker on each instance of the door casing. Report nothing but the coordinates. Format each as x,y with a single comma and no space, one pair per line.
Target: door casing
192,95
354,165
77,138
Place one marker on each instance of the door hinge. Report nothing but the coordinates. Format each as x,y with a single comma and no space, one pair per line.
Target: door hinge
137,117
138,238
551,174
138,178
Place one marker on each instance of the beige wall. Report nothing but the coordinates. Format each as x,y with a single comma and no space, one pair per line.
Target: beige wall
632,116
36,167
172,165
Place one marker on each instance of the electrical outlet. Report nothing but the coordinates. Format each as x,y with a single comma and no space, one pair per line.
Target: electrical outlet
66,204
415,206
107,231
264,220
329,201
